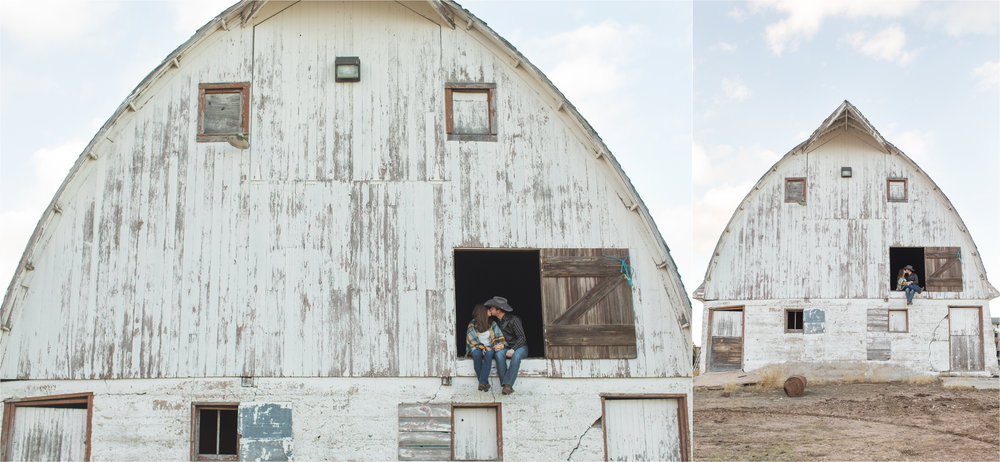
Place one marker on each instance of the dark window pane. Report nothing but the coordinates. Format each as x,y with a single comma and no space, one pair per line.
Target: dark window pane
227,432
206,429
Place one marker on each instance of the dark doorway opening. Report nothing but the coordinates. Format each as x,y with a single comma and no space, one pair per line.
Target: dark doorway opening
902,256
513,274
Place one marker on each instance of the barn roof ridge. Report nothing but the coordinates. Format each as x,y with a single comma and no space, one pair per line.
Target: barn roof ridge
840,118
246,10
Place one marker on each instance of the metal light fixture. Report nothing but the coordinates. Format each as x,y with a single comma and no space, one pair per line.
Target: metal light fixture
845,172
238,141
348,68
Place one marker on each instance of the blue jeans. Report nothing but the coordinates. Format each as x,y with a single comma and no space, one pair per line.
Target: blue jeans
482,361
508,374
911,289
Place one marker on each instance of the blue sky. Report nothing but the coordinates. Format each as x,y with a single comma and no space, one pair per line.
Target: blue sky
925,74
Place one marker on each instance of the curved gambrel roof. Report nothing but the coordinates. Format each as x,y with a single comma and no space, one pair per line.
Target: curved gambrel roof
846,116
447,13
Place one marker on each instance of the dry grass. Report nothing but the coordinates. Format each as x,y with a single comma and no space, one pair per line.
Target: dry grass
771,378
923,380
730,387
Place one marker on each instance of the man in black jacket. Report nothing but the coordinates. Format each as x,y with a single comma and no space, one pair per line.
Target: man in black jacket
912,283
517,343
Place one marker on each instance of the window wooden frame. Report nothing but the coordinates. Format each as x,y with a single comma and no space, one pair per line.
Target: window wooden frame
196,429
682,417
243,89
796,180
906,191
490,90
479,406
10,411
906,317
743,330
802,316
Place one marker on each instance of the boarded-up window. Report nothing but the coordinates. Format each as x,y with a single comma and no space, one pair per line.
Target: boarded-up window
898,321
944,269
587,304
47,428
476,432
896,189
795,190
223,110
215,432
645,428
793,320
726,350
966,338
470,111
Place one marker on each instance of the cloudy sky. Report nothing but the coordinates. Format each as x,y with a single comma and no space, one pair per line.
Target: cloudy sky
764,75
925,74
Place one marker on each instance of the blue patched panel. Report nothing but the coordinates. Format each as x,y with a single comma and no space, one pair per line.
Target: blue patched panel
814,321
265,431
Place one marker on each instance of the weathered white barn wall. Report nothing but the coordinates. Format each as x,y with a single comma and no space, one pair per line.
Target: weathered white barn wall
326,248
837,245
346,418
841,348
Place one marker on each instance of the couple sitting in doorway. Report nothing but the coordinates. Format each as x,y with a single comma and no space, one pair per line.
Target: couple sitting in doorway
487,339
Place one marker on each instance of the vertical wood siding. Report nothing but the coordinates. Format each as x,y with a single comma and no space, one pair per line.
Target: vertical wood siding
46,433
474,433
326,248
966,339
642,429
837,244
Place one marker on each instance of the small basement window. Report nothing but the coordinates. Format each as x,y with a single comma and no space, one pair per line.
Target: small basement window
793,321
215,430
895,190
795,190
470,111
898,321
223,110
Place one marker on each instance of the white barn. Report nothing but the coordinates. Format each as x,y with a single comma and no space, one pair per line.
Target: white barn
272,248
803,277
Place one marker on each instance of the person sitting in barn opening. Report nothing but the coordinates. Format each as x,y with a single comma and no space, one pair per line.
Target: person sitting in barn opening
483,339
517,343
912,284
901,279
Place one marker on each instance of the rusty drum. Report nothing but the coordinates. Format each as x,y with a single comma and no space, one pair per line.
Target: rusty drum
795,385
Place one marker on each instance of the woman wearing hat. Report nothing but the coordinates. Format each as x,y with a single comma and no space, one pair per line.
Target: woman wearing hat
482,339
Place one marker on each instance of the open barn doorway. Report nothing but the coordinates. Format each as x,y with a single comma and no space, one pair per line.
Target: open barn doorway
902,256
481,274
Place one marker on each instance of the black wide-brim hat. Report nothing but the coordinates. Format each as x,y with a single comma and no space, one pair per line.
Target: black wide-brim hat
499,302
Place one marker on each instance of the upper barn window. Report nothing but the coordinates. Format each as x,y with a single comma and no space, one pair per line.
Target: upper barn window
223,110
895,189
470,111
795,190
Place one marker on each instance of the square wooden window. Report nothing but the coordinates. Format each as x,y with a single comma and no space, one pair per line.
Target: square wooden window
471,427
470,111
215,434
899,321
895,190
795,190
793,320
223,110
47,427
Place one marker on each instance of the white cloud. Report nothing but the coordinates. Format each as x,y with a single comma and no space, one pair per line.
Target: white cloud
192,14
804,18
723,46
49,168
987,76
723,163
916,144
593,58
712,211
735,89
963,18
738,14
43,23
886,45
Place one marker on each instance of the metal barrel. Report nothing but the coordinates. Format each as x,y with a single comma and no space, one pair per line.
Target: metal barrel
795,385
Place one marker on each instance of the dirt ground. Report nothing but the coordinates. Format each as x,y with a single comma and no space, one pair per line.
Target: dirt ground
861,421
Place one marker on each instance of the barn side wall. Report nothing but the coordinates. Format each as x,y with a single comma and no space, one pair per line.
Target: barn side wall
347,418
326,248
840,336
